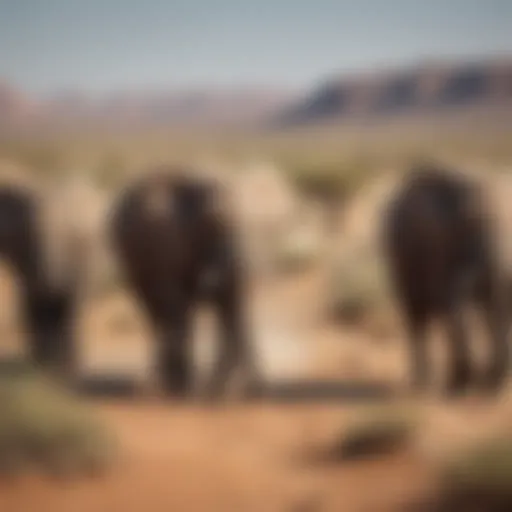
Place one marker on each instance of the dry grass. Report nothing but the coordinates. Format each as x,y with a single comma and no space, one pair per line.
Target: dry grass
377,432
346,152
66,433
479,479
331,181
298,254
42,426
357,289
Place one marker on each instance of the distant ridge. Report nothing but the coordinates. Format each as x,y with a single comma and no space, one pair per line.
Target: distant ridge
429,89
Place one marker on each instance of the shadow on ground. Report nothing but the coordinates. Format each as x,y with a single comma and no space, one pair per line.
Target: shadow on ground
124,386
327,390
286,391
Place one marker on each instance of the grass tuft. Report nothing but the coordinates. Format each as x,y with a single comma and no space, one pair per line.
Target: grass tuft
376,433
44,427
478,479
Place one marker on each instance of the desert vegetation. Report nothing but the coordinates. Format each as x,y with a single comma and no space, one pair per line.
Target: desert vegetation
477,478
324,258
374,433
219,289
44,428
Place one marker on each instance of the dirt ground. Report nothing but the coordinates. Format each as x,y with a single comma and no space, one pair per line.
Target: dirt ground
249,457
239,459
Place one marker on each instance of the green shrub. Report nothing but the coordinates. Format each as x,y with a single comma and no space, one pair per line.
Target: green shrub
329,182
479,479
43,426
375,433
357,288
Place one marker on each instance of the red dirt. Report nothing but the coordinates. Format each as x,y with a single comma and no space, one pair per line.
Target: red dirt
235,458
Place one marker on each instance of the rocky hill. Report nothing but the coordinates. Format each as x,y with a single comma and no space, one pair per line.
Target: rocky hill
430,88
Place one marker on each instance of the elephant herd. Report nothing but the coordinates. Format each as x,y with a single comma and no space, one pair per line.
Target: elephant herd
173,234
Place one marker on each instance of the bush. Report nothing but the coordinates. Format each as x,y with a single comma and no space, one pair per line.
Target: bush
43,426
331,183
479,479
297,253
356,287
379,432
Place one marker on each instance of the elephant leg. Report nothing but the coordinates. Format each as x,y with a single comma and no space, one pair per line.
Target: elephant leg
417,320
494,308
173,364
460,367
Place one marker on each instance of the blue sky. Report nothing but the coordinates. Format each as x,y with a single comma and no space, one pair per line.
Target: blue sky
102,45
